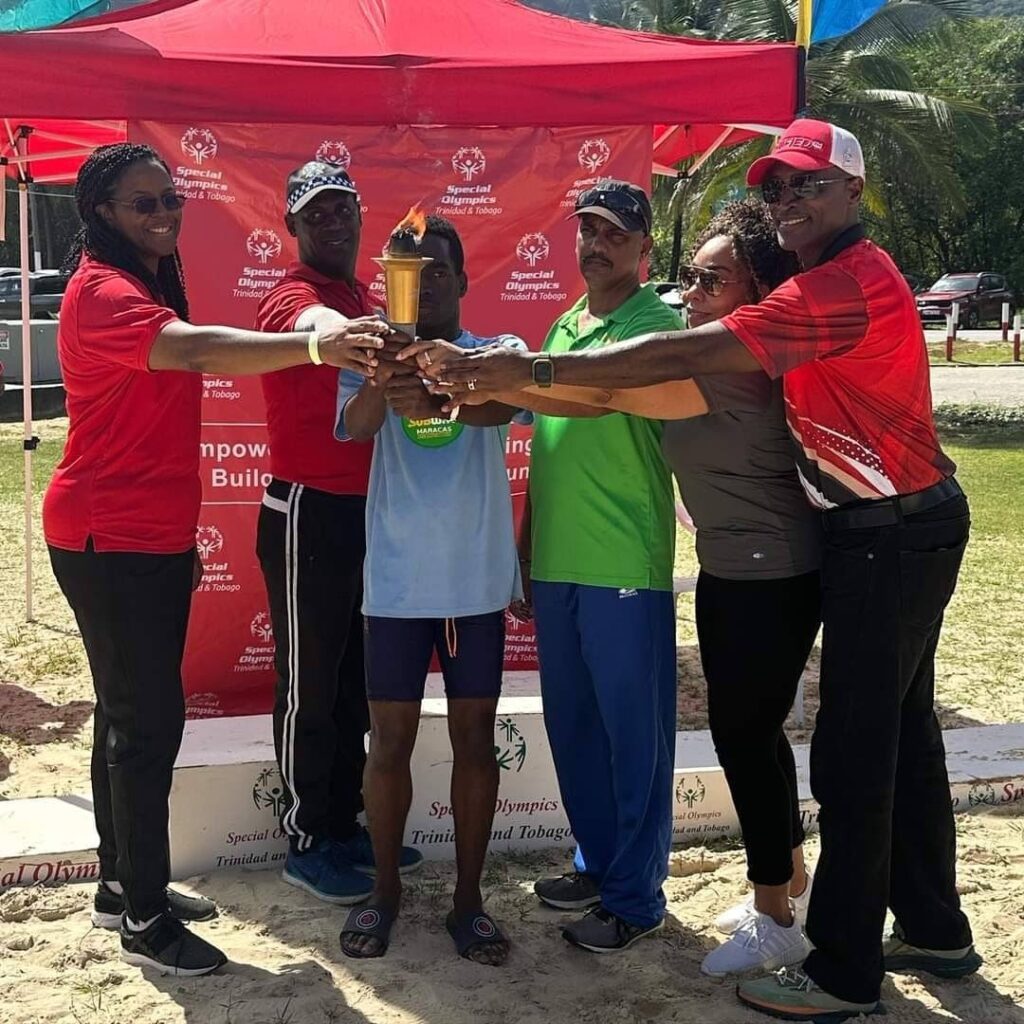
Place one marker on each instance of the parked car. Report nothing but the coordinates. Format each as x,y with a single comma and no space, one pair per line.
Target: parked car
981,297
46,288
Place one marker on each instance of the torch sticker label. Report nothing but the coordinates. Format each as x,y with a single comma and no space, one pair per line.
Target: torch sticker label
433,433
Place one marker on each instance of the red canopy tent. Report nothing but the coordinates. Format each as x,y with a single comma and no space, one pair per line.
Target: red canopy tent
461,62
368,62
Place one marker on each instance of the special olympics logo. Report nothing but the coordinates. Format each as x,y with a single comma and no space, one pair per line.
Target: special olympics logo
334,152
263,245
469,161
981,793
261,627
510,745
199,144
268,792
209,540
532,248
691,794
594,154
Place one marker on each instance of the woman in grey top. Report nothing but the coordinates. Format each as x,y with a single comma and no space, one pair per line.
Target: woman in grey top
758,542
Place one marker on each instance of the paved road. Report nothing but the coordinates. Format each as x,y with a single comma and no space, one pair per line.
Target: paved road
995,385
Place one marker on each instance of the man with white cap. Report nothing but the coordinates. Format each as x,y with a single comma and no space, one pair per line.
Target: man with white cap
311,542
845,337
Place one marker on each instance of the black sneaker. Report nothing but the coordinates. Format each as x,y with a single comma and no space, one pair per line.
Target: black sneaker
170,948
108,906
574,891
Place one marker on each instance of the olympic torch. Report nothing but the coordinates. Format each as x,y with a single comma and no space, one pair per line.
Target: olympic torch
403,265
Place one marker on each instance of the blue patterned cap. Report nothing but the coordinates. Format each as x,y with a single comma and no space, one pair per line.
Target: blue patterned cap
313,178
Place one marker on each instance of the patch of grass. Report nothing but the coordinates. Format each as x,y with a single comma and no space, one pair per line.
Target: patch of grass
986,352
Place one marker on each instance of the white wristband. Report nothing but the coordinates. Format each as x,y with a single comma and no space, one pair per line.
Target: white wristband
454,414
314,348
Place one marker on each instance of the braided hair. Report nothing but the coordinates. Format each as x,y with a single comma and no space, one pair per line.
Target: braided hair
97,179
755,244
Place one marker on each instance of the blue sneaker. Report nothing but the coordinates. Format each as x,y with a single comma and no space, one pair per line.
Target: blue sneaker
359,852
325,874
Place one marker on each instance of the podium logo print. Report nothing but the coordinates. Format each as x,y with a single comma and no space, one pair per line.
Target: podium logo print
533,248
690,792
199,144
209,540
334,151
510,745
261,627
594,154
268,792
981,793
469,161
263,245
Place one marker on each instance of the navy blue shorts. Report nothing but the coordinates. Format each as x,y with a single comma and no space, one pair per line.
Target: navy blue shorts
397,653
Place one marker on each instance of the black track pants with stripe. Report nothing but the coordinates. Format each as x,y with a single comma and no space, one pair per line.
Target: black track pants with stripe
311,546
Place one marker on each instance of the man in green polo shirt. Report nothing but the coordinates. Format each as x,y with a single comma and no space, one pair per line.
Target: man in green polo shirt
600,551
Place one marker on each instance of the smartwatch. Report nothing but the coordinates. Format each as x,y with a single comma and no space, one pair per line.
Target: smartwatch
543,371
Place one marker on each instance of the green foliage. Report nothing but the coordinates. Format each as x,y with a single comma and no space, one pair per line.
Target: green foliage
980,422
863,80
981,63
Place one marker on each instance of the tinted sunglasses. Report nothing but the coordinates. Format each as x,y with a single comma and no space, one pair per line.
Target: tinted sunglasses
803,186
147,205
711,282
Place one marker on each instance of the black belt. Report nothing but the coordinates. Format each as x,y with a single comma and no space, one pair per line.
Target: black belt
890,511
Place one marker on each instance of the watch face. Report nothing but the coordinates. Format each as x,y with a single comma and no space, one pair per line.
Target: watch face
543,372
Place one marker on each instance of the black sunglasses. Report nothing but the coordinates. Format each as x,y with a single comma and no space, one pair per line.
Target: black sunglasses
147,205
803,186
711,281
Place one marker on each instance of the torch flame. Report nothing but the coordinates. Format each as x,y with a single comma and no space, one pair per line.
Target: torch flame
415,220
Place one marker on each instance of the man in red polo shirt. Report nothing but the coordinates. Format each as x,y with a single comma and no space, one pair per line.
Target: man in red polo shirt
845,337
311,541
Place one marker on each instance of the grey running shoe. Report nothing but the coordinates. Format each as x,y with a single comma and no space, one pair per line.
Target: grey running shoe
574,891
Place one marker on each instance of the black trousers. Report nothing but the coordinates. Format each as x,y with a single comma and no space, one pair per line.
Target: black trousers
751,685
311,546
132,610
878,766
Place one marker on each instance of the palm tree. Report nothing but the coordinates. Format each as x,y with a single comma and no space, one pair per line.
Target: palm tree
859,80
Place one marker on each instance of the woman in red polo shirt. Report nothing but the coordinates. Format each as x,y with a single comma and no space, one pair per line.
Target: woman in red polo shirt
120,517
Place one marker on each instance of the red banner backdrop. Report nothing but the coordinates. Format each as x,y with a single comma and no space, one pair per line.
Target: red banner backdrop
509,192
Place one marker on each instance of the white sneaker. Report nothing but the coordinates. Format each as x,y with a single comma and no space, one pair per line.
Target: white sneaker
728,921
757,944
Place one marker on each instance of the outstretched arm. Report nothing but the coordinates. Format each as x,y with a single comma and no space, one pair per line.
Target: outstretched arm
640,362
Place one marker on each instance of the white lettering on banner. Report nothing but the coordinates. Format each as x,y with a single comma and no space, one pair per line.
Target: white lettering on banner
532,285
220,387
221,450
518,445
469,199
253,476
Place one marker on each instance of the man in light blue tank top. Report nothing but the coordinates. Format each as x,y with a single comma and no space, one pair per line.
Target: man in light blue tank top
441,568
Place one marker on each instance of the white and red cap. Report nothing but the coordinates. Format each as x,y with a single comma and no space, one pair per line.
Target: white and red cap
808,145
